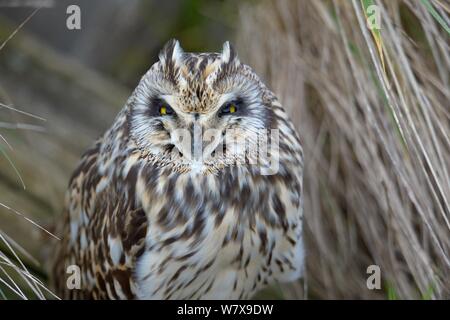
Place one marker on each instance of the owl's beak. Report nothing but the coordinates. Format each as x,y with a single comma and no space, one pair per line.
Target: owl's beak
189,141
204,141
197,141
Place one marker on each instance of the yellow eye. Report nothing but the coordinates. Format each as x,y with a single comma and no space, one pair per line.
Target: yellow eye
230,107
163,110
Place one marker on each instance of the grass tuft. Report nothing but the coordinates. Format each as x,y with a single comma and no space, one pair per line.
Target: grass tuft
373,113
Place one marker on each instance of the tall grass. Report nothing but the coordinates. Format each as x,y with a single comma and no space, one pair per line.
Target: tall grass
373,112
17,281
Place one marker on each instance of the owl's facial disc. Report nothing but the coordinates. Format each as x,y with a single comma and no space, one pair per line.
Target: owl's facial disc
197,111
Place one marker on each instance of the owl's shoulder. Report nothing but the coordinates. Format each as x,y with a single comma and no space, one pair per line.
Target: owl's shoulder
104,230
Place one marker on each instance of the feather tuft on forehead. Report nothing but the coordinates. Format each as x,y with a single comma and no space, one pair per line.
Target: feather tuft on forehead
171,52
228,53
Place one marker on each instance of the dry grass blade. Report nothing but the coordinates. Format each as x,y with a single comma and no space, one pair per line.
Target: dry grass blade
6,142
21,126
18,28
29,220
2,105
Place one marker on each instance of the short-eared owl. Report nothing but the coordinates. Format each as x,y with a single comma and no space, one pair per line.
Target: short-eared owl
147,216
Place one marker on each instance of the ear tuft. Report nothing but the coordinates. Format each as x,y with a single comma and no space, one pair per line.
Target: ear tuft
228,53
171,51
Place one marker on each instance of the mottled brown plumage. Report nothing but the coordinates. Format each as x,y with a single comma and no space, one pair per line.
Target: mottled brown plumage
146,217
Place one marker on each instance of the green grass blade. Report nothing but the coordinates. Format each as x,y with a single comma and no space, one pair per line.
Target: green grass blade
436,15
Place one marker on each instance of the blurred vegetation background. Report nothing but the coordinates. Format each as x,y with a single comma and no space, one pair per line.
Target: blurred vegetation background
120,39
375,124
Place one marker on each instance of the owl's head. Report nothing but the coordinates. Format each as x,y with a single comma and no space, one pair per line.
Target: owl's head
199,111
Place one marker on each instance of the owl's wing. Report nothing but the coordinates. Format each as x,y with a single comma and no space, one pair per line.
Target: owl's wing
102,235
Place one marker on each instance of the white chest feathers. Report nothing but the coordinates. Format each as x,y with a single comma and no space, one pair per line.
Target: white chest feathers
219,263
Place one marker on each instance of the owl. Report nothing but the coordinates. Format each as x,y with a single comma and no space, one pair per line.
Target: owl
195,191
